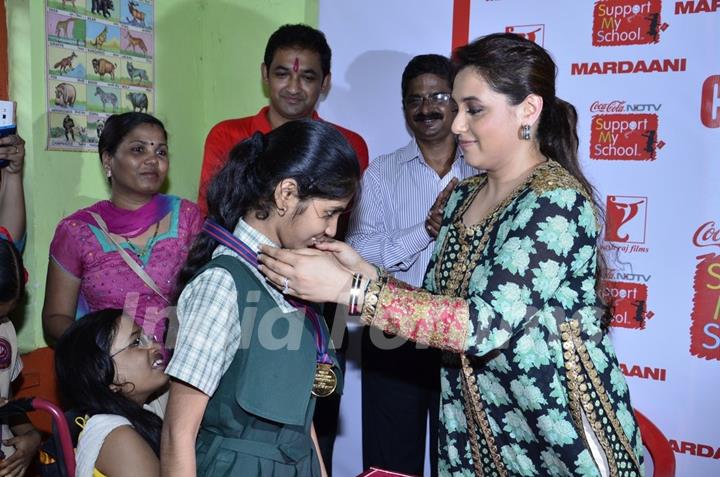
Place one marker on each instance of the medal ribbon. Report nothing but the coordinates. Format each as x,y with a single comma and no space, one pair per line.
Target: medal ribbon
223,236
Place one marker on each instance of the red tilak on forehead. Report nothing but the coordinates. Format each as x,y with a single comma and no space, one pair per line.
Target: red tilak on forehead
296,65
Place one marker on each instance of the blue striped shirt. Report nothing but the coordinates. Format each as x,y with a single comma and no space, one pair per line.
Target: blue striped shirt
387,226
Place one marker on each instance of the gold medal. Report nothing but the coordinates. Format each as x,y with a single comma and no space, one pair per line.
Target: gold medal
325,380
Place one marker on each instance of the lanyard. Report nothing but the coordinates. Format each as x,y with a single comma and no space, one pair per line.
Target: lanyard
241,248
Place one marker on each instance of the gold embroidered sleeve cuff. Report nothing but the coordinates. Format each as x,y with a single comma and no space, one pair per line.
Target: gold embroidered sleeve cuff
437,321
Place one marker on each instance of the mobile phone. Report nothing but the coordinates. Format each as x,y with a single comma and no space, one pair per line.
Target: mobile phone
7,124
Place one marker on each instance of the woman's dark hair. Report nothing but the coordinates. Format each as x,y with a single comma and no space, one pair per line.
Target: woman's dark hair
517,67
85,370
12,282
118,126
313,153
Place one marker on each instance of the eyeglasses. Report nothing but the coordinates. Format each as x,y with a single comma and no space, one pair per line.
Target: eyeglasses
141,341
437,99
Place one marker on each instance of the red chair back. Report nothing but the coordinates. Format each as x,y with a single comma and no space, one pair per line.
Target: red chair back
658,446
38,380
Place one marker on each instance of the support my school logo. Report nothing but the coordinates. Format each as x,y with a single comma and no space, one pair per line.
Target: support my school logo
705,315
627,294
624,131
627,22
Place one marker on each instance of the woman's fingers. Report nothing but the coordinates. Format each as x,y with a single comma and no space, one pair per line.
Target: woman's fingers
278,254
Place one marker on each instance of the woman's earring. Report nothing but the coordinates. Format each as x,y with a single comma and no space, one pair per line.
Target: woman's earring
525,132
281,211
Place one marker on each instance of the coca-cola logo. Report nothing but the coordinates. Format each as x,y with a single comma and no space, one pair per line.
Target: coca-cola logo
707,235
611,107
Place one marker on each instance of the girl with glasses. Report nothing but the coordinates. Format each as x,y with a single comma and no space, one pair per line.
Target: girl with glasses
107,370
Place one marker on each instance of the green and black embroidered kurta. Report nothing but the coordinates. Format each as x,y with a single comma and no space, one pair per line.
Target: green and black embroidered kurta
528,371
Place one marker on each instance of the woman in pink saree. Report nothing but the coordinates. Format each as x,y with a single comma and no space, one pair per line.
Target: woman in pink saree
124,252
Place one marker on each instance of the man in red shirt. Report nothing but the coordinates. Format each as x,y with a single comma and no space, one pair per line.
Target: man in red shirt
296,71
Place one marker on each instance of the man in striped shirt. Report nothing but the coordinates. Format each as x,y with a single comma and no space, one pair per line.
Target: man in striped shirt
394,226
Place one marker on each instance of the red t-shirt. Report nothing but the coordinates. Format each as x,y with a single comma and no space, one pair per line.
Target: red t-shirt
226,134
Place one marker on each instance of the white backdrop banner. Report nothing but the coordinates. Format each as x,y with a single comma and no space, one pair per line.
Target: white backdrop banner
644,76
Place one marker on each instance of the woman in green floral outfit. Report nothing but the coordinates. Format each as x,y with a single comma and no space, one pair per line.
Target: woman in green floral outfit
531,385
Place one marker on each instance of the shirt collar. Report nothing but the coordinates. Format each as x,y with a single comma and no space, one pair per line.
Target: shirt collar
251,237
254,239
261,122
412,152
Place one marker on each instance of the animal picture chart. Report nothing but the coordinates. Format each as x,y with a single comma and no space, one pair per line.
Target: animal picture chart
100,60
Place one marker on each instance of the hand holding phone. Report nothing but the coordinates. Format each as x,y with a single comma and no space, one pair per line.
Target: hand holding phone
12,147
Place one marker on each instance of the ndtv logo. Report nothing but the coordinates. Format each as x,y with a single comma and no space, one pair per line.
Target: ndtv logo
624,137
620,107
705,315
534,33
701,6
710,102
627,22
626,219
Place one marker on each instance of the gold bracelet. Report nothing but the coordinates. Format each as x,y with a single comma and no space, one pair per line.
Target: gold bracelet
372,295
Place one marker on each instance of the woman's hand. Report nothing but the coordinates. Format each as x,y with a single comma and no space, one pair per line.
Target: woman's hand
26,448
347,257
311,275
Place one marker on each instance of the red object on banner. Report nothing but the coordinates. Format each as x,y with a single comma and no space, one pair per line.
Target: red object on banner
663,457
624,137
629,303
627,22
705,316
373,472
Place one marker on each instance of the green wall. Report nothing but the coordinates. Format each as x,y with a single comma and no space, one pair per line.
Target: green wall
207,69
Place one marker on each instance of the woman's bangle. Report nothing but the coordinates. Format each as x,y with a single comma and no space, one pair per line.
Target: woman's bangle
372,295
355,290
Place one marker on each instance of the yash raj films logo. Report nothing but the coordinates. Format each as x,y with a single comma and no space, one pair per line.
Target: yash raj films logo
624,132
626,223
705,316
627,22
534,33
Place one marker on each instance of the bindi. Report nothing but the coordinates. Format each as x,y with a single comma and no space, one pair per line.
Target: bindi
296,65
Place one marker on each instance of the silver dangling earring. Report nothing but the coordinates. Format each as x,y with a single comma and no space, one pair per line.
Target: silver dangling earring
525,132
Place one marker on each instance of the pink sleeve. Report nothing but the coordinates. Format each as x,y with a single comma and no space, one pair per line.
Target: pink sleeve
65,247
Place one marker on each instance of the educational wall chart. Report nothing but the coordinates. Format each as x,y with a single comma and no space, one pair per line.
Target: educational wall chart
100,60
